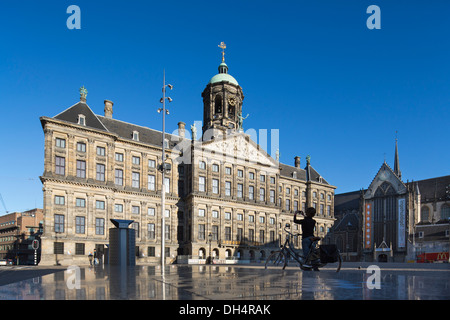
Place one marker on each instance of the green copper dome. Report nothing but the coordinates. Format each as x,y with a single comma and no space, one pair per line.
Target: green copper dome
223,75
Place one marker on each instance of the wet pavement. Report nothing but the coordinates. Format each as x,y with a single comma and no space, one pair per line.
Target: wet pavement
237,282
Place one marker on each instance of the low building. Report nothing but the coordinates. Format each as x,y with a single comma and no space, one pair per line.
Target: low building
17,231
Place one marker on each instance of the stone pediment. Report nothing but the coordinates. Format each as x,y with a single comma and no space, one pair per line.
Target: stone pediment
239,147
385,181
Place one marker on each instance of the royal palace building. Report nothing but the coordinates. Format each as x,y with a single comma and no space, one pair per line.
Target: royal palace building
224,195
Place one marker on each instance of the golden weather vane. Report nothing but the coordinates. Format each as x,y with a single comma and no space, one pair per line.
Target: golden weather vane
223,46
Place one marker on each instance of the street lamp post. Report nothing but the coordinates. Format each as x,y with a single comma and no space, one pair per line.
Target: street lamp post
163,168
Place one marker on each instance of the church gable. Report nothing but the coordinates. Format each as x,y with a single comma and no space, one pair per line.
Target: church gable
386,182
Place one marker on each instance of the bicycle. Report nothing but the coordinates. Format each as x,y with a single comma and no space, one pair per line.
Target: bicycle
319,255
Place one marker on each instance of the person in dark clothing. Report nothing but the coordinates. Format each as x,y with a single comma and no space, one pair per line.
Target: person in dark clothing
308,224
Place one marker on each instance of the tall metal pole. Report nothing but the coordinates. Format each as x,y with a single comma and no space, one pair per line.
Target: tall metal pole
163,170
163,187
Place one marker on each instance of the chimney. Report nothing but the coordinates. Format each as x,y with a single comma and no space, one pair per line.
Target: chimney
297,162
181,129
108,109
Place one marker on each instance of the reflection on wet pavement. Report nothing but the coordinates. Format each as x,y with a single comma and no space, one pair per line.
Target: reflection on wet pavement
200,282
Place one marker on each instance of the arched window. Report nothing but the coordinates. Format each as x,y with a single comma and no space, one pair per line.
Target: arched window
445,212
218,104
424,214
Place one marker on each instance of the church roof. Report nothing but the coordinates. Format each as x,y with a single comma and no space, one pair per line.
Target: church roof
433,189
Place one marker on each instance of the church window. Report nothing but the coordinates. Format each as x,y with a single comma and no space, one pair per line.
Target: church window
425,214
445,212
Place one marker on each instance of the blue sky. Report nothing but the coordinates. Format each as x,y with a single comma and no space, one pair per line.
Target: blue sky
336,90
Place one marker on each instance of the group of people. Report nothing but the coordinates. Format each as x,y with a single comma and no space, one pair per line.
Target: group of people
94,259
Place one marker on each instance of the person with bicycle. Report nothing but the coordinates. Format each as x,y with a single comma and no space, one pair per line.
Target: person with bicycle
308,224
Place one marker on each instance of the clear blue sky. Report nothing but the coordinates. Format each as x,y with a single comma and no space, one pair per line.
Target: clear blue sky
312,69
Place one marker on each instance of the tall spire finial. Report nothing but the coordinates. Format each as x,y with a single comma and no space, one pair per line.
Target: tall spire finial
396,159
223,46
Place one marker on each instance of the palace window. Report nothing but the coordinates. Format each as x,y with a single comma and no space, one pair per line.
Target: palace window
100,176
100,205
227,188
151,182
80,223
135,209
60,143
79,202
135,179
60,165
101,151
136,160
215,233
151,231
227,233
201,184
59,223
81,169
272,196
215,186
119,157
262,194
201,232
59,200
119,177
81,147
240,187
82,119
99,226
251,192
